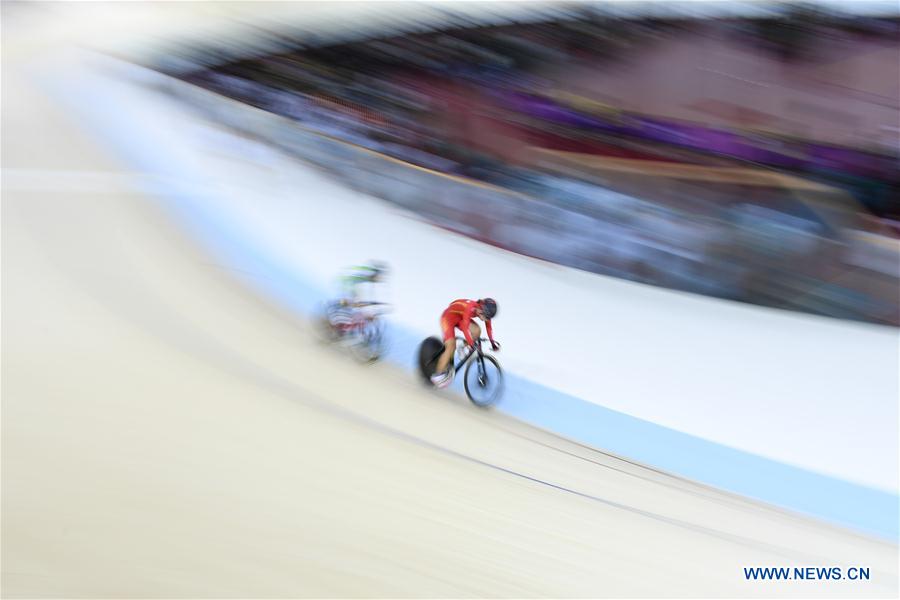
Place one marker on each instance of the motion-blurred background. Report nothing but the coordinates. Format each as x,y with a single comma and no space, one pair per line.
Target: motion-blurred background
741,150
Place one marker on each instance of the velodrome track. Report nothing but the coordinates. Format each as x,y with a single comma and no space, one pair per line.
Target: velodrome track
167,433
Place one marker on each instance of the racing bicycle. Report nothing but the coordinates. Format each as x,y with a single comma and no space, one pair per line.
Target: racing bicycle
483,377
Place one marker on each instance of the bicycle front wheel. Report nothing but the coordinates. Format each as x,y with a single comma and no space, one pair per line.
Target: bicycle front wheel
483,380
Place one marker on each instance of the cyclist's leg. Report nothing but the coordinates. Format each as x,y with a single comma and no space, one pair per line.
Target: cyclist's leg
475,330
443,362
448,328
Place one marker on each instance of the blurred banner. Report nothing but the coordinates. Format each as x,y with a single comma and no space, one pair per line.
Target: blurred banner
768,150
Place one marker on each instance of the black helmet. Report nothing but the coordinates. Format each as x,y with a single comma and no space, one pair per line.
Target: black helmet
488,307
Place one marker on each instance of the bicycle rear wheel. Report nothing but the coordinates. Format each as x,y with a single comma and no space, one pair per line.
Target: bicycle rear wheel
483,381
429,351
323,325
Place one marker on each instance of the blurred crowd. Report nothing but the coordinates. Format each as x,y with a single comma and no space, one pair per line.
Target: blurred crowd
727,204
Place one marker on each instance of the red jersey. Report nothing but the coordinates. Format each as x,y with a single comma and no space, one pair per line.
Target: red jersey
458,315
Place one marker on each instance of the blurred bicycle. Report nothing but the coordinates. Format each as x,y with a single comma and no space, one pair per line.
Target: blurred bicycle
358,325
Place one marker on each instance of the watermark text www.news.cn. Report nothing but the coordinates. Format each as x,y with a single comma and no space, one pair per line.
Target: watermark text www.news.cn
806,573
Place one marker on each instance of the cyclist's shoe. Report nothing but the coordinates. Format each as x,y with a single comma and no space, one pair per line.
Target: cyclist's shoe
441,380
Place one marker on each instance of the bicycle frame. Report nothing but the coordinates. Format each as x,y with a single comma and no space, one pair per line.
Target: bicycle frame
469,356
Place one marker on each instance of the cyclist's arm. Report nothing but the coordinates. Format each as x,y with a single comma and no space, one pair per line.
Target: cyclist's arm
490,330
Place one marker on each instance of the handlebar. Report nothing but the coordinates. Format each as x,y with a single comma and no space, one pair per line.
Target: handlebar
479,341
460,338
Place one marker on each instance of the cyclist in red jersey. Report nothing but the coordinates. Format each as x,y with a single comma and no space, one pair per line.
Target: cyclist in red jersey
459,315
